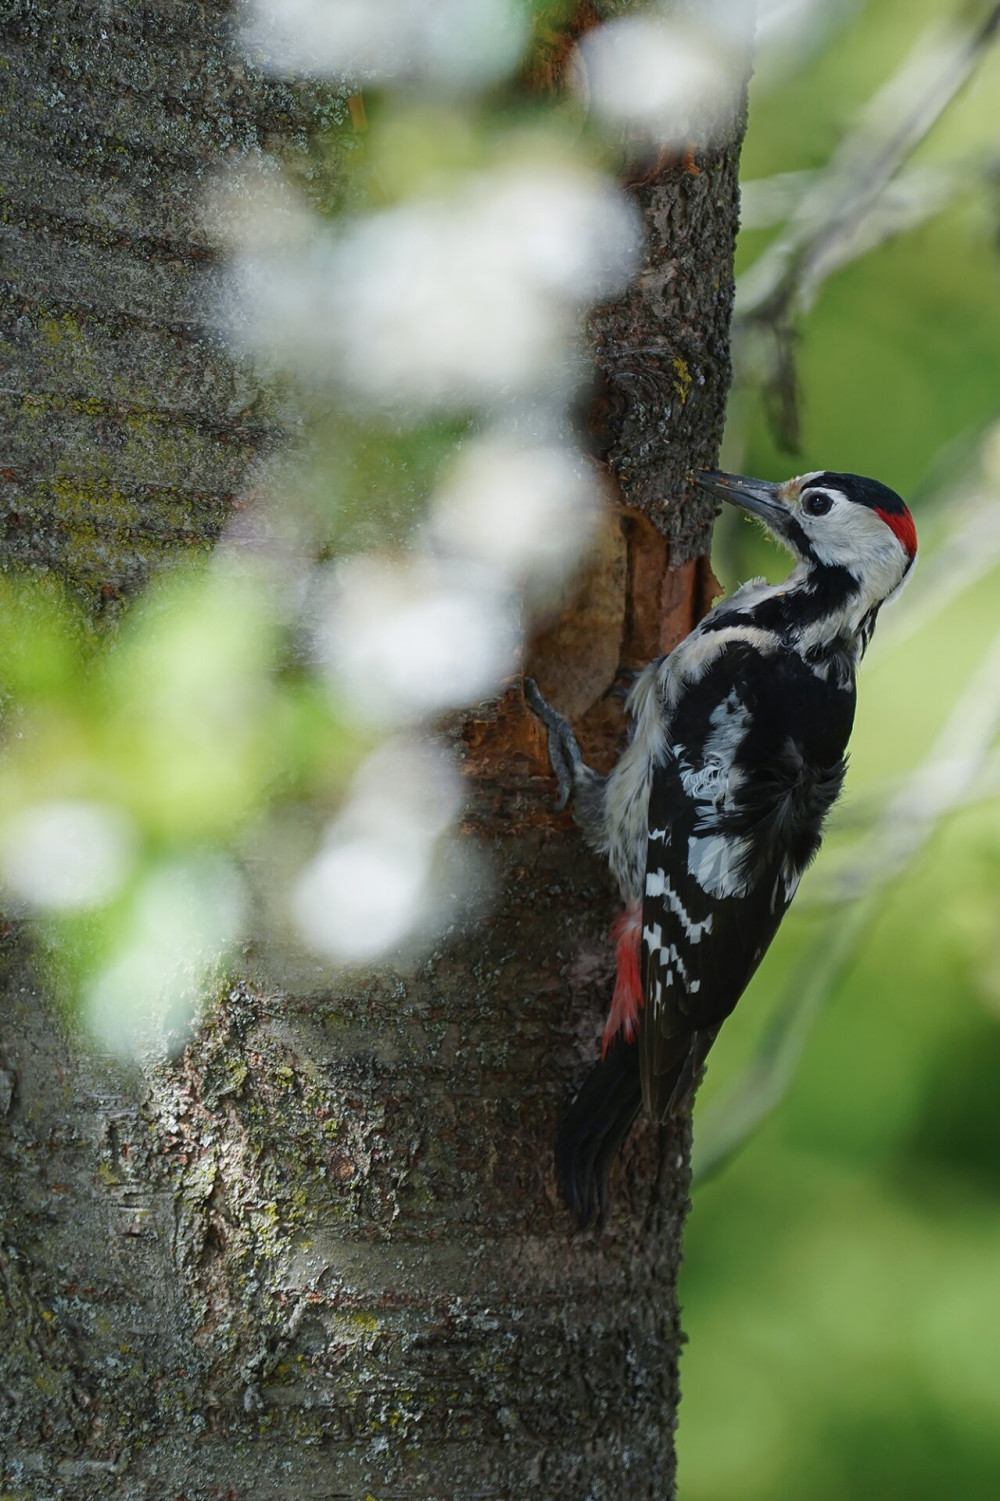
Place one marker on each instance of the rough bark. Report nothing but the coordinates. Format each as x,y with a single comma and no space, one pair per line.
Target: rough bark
322,1255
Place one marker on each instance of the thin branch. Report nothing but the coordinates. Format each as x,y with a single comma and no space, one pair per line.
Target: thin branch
787,275
958,759
840,216
918,193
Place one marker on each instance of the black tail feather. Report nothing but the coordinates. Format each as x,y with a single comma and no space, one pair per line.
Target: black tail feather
597,1124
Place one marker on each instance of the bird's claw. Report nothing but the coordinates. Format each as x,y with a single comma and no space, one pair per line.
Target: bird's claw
561,772
564,753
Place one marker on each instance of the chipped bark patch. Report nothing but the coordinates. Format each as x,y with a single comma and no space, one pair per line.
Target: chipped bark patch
576,653
625,607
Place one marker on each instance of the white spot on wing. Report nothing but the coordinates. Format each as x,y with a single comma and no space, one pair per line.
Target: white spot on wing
668,954
676,958
716,864
715,779
658,884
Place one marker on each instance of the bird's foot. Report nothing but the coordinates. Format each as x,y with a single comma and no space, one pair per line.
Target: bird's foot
564,752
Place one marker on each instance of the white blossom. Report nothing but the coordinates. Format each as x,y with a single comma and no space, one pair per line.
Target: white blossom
666,79
526,508
466,43
455,300
184,917
371,883
402,640
66,854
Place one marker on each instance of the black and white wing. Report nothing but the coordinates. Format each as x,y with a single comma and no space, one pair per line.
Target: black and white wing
756,760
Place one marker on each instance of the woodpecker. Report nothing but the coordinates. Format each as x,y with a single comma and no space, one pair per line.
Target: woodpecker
716,806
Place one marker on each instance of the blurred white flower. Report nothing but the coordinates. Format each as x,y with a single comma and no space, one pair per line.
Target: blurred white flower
665,79
406,789
466,43
786,30
790,25
184,917
67,854
527,508
370,886
456,300
407,639
360,897
779,32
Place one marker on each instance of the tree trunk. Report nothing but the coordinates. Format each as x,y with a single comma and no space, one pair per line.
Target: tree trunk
323,1254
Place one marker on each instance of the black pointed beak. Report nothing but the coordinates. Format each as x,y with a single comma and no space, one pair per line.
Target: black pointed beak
758,496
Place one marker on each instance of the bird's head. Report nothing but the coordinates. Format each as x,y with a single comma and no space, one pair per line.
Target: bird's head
829,520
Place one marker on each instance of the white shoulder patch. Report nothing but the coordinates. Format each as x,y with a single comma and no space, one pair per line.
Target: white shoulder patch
695,655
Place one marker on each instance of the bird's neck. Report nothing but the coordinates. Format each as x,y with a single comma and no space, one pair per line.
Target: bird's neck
817,607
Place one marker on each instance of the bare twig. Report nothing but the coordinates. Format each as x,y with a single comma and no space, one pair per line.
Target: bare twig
896,122
918,193
958,759
839,215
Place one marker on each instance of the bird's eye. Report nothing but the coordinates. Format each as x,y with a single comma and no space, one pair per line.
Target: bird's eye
817,503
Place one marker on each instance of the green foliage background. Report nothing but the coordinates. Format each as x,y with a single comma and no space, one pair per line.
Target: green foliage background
842,1285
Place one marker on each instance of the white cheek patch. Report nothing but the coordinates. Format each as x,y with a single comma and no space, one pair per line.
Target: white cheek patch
852,536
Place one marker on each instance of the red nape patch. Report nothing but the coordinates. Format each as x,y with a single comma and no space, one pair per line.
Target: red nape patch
627,1001
901,522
